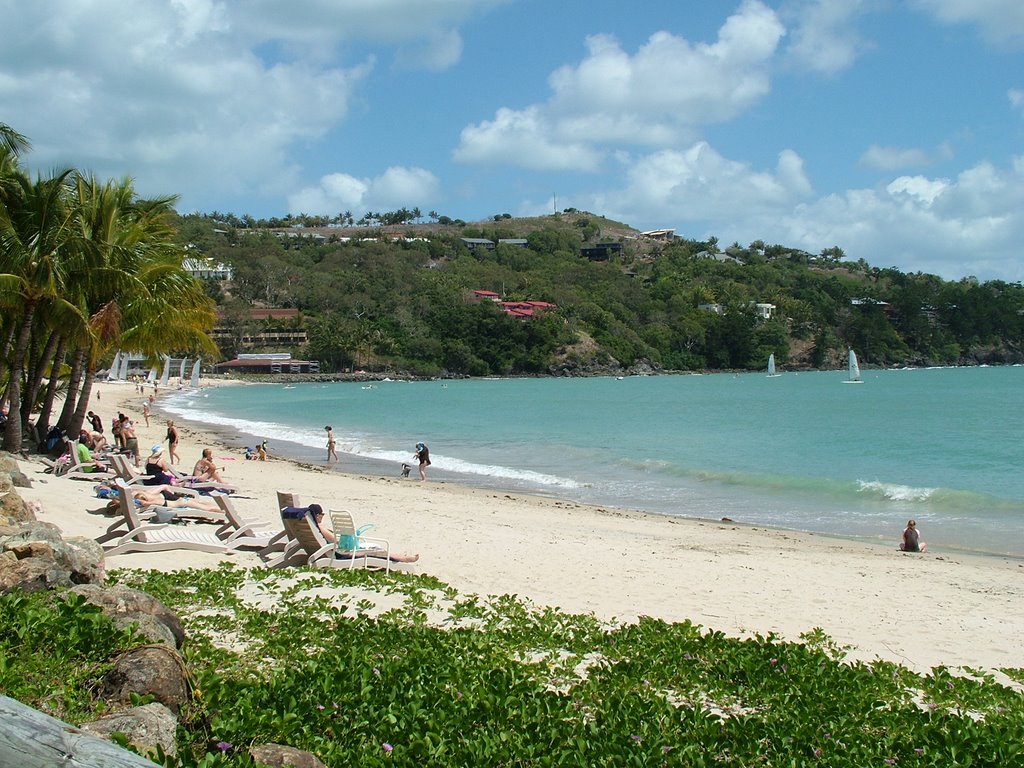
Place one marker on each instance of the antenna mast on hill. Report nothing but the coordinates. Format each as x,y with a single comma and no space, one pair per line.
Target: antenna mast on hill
554,203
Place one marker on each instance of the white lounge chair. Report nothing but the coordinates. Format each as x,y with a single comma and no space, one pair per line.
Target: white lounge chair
136,533
271,544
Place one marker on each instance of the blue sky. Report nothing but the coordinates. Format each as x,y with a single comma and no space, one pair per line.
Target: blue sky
894,130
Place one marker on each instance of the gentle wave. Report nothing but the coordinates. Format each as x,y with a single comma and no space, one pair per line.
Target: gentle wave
354,444
938,499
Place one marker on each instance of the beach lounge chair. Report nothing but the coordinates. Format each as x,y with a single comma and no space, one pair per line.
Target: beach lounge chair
78,470
125,472
137,532
322,553
353,545
271,545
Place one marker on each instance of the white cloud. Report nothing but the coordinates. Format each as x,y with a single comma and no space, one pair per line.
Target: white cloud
999,20
1016,97
210,97
894,158
522,138
699,184
950,227
824,39
435,52
655,97
396,187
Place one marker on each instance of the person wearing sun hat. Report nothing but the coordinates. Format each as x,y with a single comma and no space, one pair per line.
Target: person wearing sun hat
157,471
422,455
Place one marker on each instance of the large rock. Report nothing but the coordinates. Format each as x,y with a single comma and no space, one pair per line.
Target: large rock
44,560
152,670
280,756
146,728
13,509
125,604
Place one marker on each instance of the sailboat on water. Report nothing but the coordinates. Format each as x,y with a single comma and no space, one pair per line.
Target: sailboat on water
771,367
853,376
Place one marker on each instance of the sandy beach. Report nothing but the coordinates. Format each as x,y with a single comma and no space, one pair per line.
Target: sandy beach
918,610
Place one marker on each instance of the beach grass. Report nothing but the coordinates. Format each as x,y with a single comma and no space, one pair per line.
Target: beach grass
362,669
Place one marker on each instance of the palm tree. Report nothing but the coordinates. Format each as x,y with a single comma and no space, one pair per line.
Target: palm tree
35,231
132,285
12,141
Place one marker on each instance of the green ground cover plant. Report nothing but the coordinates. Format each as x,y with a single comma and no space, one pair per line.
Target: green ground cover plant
363,669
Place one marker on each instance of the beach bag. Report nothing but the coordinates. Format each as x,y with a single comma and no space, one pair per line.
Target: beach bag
350,543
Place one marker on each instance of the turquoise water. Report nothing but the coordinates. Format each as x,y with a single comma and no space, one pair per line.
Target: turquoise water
802,451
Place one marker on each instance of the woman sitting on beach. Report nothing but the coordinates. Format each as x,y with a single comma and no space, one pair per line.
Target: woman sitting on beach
205,469
317,512
912,539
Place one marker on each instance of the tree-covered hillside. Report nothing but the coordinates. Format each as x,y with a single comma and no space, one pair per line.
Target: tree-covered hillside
400,298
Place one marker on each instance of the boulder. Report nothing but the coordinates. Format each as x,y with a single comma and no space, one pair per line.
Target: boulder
44,560
146,728
152,670
131,604
280,756
13,509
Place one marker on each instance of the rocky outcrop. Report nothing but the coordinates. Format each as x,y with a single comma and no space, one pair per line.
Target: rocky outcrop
34,556
152,670
126,606
146,728
280,756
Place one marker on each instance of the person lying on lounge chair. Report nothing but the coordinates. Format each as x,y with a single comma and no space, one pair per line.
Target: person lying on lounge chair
165,496
318,515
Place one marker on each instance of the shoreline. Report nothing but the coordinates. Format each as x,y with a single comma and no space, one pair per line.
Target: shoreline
232,438
955,609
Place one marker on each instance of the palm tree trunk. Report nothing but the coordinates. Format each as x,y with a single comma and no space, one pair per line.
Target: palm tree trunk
34,379
43,422
4,350
12,429
71,397
78,419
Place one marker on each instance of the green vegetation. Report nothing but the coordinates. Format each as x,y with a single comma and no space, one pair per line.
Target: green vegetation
399,298
309,659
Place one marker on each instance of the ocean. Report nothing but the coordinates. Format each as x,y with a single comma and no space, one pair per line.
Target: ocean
802,451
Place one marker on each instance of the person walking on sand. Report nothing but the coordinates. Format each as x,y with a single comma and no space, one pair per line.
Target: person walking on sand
172,442
331,453
422,455
261,451
146,412
912,539
131,440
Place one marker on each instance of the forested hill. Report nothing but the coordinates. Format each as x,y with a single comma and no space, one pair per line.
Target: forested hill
399,297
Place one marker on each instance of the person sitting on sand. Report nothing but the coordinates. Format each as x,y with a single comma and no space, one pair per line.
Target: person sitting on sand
206,469
317,513
912,539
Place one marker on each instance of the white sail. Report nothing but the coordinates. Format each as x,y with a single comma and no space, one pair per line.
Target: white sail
854,368
771,366
181,370
194,383
114,367
166,375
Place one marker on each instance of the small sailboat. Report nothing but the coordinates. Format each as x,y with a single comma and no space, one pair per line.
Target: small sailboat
854,369
771,367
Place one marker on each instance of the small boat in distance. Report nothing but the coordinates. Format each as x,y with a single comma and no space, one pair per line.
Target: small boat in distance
771,367
853,376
